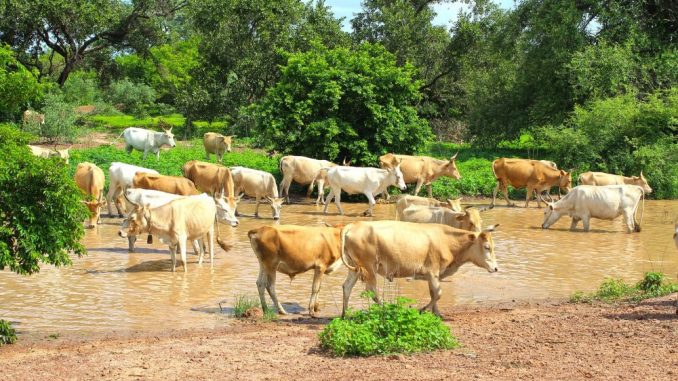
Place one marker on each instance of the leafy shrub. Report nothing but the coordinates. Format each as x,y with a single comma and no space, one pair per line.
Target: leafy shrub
60,120
386,328
82,88
652,285
7,333
19,88
40,210
136,98
242,304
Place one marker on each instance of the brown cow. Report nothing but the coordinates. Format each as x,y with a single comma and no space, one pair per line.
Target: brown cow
302,170
216,144
90,179
168,184
467,220
396,249
293,250
211,178
602,178
533,174
404,201
422,170
33,117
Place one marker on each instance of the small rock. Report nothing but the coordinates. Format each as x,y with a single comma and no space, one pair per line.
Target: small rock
253,313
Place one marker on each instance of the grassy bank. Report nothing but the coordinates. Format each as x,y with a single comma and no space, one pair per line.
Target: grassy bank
653,284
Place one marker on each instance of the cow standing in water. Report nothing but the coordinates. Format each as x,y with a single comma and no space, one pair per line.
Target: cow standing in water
525,173
147,140
422,170
602,178
302,170
90,179
121,176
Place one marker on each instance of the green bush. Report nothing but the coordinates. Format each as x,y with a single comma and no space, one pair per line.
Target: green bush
82,88
7,333
386,328
136,98
652,285
242,304
19,87
60,120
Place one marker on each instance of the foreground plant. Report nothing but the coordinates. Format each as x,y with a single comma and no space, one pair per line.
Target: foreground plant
387,328
7,333
653,284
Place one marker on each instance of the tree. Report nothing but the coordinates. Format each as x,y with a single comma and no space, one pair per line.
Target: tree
76,29
335,103
19,87
40,210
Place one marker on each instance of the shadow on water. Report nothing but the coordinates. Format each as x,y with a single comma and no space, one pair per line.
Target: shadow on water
137,250
538,228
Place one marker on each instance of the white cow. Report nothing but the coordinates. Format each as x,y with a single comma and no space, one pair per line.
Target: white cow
121,176
147,140
153,199
467,220
603,202
259,184
368,181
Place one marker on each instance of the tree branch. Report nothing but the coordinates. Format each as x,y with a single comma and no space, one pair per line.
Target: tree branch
436,78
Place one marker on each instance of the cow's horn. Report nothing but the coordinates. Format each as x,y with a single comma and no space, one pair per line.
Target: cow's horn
455,156
124,193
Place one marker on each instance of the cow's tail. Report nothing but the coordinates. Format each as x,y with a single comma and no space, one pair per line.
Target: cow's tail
220,242
642,212
344,255
119,136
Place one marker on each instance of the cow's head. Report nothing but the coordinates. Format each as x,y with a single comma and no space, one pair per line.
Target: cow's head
551,215
398,179
276,205
470,220
94,208
136,222
454,204
481,251
450,168
642,182
224,210
63,153
168,138
565,182
225,142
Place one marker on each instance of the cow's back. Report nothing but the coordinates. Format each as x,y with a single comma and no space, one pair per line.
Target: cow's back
208,177
193,215
169,184
90,179
122,175
604,202
302,169
412,167
516,172
404,201
211,142
600,179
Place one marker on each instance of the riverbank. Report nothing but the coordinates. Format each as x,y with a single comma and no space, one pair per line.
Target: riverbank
549,339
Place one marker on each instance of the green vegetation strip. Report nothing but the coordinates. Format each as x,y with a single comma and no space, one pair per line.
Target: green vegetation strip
653,284
7,333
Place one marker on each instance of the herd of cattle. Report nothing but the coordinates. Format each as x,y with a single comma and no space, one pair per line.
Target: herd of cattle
428,240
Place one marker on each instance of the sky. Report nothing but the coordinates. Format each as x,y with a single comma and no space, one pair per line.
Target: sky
447,12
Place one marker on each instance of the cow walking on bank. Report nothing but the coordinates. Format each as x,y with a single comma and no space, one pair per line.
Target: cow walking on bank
531,174
396,249
603,202
147,141
293,250
216,144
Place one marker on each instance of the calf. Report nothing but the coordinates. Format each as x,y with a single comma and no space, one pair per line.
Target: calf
603,202
293,250
466,220
396,249
259,184
90,179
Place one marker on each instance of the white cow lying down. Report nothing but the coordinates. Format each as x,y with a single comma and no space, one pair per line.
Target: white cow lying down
603,202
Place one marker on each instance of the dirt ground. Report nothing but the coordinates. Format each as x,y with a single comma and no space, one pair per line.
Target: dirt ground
538,340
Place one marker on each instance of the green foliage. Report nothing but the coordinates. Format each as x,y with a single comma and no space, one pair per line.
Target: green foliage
242,304
387,328
7,333
270,315
40,210
135,98
82,88
343,103
653,284
19,87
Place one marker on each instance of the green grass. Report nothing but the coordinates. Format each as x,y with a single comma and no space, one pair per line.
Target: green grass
385,329
242,304
7,333
117,123
653,284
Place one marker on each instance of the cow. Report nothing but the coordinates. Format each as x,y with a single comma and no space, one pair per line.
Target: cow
293,250
467,220
321,178
46,153
533,174
33,117
549,163
397,249
603,202
422,170
302,170
405,201
601,178
368,181
213,179
120,176
216,144
169,184
153,199
177,222
258,184
90,179
147,140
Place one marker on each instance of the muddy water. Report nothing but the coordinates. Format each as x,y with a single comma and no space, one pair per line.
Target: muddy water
113,289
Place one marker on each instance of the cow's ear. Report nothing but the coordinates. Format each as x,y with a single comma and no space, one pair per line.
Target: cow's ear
472,237
460,217
490,228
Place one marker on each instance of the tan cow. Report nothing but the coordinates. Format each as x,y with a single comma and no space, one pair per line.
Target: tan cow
293,250
406,200
396,249
302,170
533,174
33,117
602,178
216,144
258,184
467,220
90,179
422,170
176,223
168,184
46,153
213,179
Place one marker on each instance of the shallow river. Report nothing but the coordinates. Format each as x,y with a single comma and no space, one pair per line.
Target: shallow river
113,289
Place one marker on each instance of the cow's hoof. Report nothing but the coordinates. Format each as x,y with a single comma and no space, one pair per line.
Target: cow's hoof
130,250
90,226
121,216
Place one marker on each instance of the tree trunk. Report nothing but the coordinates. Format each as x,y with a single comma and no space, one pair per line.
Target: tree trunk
68,68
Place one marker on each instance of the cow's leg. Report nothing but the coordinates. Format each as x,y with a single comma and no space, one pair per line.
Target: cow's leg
317,279
262,284
285,188
131,239
435,292
111,197
157,154
585,220
370,199
321,192
256,208
328,200
182,247
128,148
350,281
173,255
417,188
575,221
630,223
430,190
494,193
220,156
528,196
207,156
371,285
271,291
337,201
197,249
